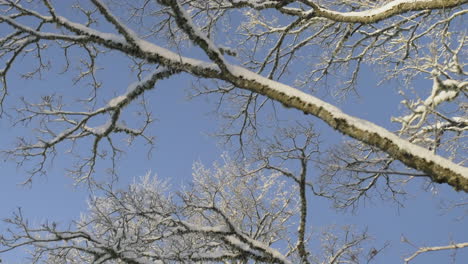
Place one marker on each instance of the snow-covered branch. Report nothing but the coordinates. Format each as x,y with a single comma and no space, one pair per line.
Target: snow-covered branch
388,10
423,250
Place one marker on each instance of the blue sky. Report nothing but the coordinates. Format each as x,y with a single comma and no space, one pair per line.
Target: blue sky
181,131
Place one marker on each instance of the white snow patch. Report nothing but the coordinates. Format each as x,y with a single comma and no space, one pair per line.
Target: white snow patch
443,96
116,100
99,130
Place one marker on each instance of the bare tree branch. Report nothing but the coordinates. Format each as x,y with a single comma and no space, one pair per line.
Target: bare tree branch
423,250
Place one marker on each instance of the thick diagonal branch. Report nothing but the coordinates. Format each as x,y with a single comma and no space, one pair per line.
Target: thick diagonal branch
388,10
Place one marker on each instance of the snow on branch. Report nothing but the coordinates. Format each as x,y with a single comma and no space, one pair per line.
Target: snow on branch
438,168
390,9
436,248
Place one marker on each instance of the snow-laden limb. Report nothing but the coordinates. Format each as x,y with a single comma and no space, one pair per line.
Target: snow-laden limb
375,13
390,9
438,168
423,250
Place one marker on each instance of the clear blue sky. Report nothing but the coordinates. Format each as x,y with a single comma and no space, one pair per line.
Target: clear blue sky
181,138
